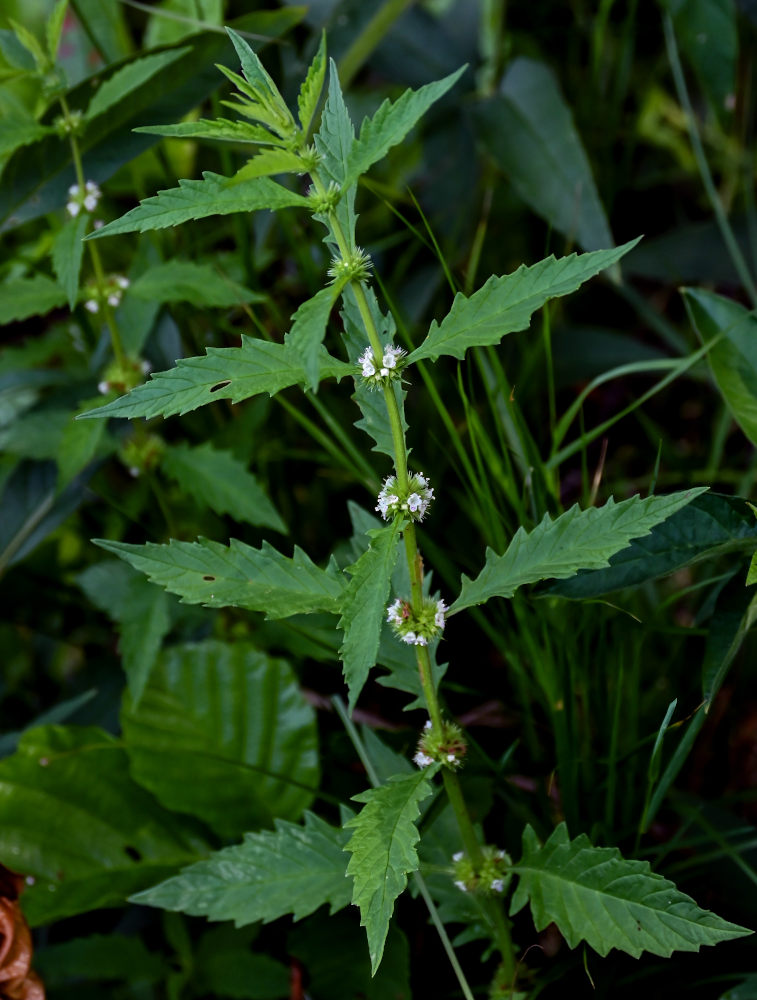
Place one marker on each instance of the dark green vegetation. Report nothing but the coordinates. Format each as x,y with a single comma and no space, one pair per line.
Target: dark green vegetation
197,755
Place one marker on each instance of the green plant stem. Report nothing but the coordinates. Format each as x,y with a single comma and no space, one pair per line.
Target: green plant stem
721,218
94,253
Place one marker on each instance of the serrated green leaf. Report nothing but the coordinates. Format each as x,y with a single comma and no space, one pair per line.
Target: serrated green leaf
312,85
578,539
391,124
54,28
218,128
364,605
593,894
186,281
20,130
126,79
234,373
204,742
260,81
239,576
72,817
213,195
383,851
67,253
709,526
30,43
218,480
733,359
268,162
505,304
529,129
309,325
21,298
333,142
294,869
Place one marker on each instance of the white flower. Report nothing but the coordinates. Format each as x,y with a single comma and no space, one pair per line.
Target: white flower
497,885
73,208
427,724
91,305
103,388
393,612
114,299
461,886
422,759
392,355
90,202
414,502
458,856
451,758
73,190
91,188
98,224
441,607
121,281
366,363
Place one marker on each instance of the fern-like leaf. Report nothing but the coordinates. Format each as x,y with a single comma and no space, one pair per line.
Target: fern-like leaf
593,894
578,539
383,851
206,572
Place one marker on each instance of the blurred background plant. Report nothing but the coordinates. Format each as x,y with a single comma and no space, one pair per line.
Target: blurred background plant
576,126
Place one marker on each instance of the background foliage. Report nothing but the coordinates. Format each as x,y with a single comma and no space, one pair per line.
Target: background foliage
141,733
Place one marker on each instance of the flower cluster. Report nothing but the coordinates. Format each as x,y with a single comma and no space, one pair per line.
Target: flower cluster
447,747
376,371
412,502
492,876
112,293
355,266
121,378
79,198
417,628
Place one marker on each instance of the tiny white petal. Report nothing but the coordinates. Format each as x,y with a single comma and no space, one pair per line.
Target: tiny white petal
461,886
103,387
122,282
92,306
133,471
497,885
114,299
428,724
458,856
90,203
146,367
409,638
73,208
98,223
451,758
73,190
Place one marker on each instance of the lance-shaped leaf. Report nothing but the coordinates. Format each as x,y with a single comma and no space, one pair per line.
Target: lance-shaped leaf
218,480
391,124
128,78
206,572
186,281
364,604
292,869
578,539
68,250
595,895
505,304
309,325
223,732
220,129
733,359
21,298
383,851
709,526
20,130
312,85
234,373
213,195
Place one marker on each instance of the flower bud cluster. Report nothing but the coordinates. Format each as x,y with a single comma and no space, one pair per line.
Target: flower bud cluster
82,198
142,453
355,266
417,629
121,378
412,502
112,293
70,124
492,876
447,748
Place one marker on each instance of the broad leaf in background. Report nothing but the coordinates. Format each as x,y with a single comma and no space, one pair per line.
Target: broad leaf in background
222,732
185,281
708,33
292,869
72,817
391,123
364,606
206,572
383,851
505,304
529,130
213,195
234,373
225,966
308,329
21,298
577,539
709,526
595,895
20,130
141,611
68,250
98,956
733,359
81,442
218,480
